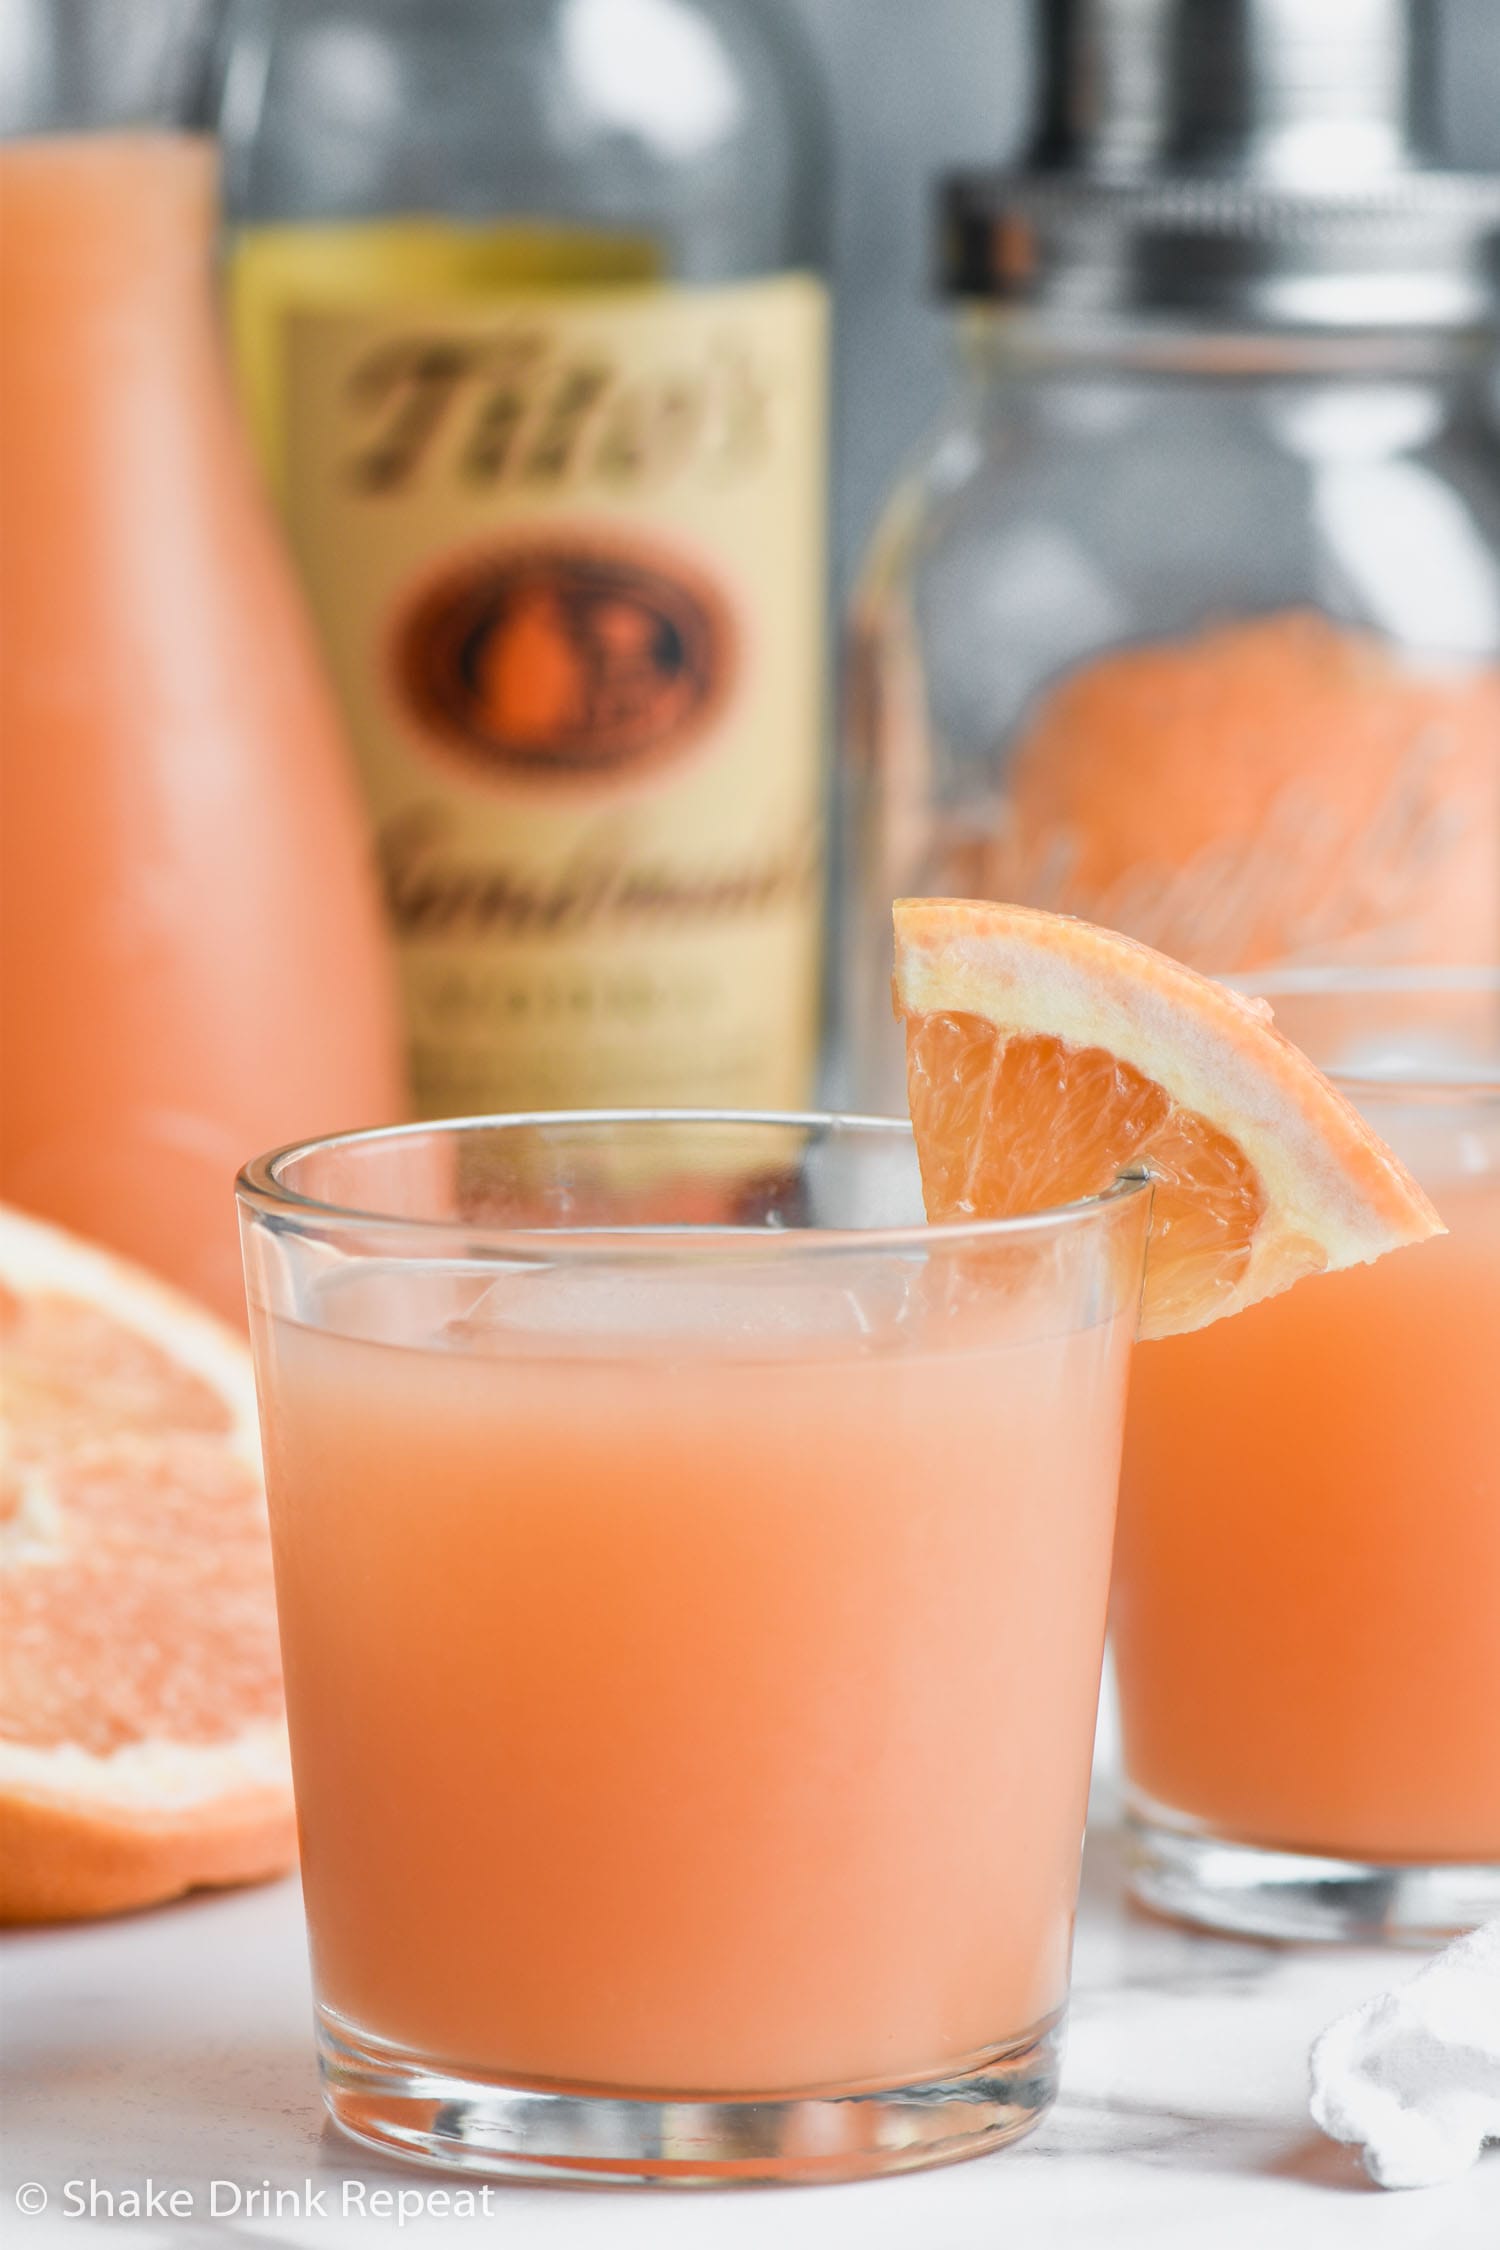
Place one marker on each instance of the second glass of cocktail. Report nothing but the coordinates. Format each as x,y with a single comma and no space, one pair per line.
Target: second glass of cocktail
1307,1600
692,1573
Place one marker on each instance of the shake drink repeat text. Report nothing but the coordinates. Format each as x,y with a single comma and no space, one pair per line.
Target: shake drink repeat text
235,2199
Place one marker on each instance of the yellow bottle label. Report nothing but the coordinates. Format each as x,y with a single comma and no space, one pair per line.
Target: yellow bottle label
565,546
395,262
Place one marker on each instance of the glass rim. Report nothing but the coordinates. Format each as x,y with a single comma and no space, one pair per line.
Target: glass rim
260,1189
1468,1080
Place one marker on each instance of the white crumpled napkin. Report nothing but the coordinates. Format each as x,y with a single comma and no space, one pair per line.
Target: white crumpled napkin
1414,2075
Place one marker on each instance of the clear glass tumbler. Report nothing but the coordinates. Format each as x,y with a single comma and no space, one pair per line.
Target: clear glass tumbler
692,1574
1307,1590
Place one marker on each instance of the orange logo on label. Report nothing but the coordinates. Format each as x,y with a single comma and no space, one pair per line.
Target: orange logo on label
566,660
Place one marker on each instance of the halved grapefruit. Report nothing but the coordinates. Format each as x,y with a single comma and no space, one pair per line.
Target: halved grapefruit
142,1741
1045,1056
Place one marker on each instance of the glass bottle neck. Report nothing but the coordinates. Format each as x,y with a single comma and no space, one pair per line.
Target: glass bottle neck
80,66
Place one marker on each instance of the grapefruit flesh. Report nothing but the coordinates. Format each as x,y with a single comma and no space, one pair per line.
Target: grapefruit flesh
142,1740
1046,1056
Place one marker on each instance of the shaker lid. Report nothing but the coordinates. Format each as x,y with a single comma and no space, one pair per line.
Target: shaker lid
1268,164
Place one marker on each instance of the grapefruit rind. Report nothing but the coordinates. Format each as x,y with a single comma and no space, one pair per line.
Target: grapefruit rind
70,1860
1336,1196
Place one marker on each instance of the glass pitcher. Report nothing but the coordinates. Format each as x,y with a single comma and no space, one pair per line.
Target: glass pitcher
191,958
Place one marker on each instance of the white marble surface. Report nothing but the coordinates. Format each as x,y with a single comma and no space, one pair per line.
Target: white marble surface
175,2045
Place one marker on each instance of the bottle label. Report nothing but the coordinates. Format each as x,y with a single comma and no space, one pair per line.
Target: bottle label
566,548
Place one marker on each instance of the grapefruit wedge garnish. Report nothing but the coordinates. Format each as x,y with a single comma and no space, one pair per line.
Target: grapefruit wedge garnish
142,1743
1045,1057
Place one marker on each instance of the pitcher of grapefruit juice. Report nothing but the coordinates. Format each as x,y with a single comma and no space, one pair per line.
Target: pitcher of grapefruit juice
191,960
691,1572
1307,1597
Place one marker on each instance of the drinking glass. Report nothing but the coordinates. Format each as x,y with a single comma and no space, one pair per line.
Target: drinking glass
692,1575
1307,1592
